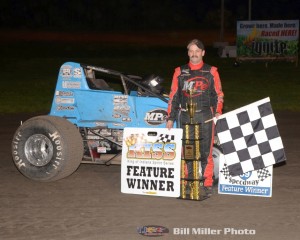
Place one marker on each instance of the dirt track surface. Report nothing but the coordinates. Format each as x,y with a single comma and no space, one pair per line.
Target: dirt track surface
89,204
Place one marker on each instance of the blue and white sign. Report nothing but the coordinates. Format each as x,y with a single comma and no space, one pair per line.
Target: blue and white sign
254,183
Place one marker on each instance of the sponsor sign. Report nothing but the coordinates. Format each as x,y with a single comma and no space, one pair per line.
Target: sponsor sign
253,183
151,161
268,39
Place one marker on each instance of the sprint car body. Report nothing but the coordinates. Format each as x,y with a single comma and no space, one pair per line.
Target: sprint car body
90,109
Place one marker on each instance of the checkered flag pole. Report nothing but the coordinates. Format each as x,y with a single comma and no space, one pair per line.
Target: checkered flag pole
250,138
263,173
165,138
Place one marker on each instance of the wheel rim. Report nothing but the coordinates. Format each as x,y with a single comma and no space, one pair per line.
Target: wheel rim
38,150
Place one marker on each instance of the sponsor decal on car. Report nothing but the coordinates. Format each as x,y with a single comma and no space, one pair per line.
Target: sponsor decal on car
66,84
122,109
77,73
64,93
116,115
121,106
126,119
102,124
65,108
120,99
62,100
66,71
156,117
119,124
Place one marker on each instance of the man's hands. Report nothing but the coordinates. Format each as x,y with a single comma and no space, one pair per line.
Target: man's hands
217,115
169,124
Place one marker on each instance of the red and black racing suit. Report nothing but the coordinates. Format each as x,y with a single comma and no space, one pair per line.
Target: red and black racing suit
205,82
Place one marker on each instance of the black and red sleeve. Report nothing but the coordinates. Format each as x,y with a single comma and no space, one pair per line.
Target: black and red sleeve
174,101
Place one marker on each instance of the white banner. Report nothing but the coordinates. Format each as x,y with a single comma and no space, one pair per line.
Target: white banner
151,161
253,183
272,38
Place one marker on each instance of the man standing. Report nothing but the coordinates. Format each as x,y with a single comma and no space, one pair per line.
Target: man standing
201,82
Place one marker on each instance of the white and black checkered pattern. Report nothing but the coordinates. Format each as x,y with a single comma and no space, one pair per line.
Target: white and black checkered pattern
250,138
263,173
165,138
225,171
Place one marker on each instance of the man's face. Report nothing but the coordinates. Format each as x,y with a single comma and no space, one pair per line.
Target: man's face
195,54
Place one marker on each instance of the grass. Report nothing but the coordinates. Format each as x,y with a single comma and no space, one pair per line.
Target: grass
30,69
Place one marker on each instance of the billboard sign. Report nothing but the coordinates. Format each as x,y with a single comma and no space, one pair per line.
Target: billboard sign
268,39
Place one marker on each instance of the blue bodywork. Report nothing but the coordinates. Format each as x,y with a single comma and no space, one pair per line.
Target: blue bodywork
85,106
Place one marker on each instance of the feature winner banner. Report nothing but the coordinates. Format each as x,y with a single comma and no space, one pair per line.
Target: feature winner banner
253,183
151,160
263,39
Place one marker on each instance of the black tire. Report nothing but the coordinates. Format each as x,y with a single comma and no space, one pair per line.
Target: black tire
47,148
216,152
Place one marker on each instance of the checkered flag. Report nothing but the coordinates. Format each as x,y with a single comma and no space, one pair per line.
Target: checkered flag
250,138
165,138
263,173
225,171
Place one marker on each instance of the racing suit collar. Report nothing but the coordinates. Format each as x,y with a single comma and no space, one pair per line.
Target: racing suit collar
196,66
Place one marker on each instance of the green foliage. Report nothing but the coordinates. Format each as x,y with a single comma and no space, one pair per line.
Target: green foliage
29,73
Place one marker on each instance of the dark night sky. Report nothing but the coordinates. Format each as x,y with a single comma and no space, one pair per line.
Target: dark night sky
118,15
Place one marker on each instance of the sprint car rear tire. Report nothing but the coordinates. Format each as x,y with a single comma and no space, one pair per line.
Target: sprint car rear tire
216,152
47,148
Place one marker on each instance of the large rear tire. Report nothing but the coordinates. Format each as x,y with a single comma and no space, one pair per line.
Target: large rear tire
47,148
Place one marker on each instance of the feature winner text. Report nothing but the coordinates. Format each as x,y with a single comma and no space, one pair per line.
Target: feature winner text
150,178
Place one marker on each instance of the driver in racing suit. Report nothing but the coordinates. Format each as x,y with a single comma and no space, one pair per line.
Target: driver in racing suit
204,81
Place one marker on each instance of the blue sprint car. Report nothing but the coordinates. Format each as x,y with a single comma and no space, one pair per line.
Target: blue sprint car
90,109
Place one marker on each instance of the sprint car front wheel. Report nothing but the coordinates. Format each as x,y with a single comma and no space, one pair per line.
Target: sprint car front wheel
47,148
